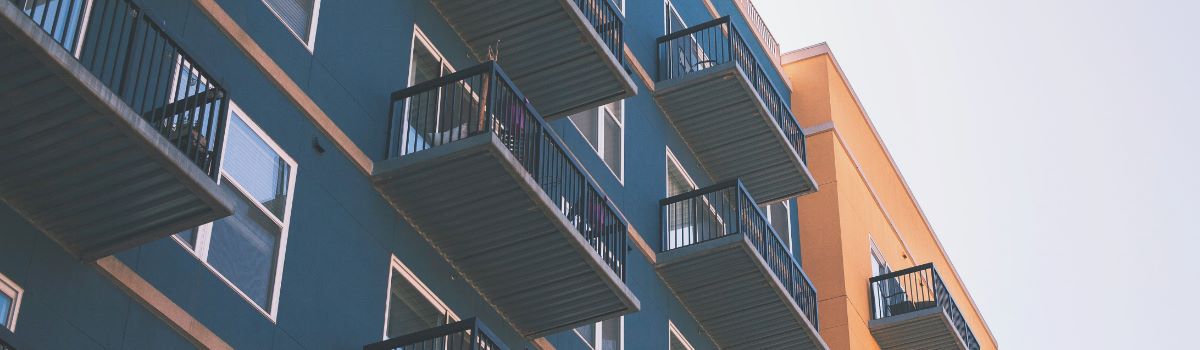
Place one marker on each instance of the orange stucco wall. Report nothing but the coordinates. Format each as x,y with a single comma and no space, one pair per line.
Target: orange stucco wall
862,199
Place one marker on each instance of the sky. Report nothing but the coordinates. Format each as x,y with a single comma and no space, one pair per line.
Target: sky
1054,146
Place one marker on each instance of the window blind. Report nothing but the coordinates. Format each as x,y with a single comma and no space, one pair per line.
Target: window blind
296,14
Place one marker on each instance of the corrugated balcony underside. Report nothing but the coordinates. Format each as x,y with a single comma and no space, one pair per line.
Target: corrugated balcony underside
471,200
725,123
928,329
730,292
80,164
548,49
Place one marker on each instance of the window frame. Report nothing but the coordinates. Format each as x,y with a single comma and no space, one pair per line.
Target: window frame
310,43
787,208
16,293
598,337
668,10
673,332
601,128
398,266
203,234
672,161
445,68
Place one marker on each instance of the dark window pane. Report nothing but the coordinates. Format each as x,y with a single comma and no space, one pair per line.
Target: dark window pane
409,311
296,14
242,249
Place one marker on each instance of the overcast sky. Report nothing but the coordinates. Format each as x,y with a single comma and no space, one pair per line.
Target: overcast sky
1054,146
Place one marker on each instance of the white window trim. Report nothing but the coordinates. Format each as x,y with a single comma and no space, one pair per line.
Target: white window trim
200,252
668,9
12,290
310,42
787,208
415,282
599,334
673,331
419,37
599,147
671,160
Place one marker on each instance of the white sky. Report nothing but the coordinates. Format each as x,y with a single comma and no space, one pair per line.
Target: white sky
1054,145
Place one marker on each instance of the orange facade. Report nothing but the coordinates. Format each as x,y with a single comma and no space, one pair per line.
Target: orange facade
863,201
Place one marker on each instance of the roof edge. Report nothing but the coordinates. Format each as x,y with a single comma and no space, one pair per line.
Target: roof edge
822,48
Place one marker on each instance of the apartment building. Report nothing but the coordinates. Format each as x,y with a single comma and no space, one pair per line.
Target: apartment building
885,280
402,174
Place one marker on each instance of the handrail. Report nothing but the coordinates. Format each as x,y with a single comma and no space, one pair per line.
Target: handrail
913,289
728,209
124,47
759,26
711,44
608,23
482,99
468,334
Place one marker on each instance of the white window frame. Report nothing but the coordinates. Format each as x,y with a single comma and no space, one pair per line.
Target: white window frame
599,335
673,332
672,161
668,9
13,291
787,208
203,234
601,113
310,43
446,68
412,279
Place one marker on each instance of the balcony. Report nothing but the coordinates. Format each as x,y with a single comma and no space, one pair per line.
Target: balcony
911,309
469,334
717,95
566,55
489,184
110,135
737,278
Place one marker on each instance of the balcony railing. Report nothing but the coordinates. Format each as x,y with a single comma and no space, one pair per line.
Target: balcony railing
469,334
482,99
760,28
727,209
606,20
914,289
120,44
710,44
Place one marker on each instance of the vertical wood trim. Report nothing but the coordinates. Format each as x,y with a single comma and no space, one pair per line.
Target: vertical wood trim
159,304
277,76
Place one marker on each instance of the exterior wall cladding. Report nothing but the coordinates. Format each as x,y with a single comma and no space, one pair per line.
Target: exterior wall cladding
343,237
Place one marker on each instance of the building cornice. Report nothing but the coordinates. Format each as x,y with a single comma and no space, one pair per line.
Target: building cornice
824,49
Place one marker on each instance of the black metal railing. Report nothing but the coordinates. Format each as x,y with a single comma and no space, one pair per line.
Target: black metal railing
914,289
606,20
468,334
482,99
727,209
711,44
122,46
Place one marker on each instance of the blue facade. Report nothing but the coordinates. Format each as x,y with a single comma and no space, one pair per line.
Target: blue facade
342,233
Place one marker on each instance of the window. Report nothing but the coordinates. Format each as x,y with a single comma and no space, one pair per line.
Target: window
672,21
604,335
300,16
246,249
10,303
65,21
411,306
780,217
604,129
678,342
682,232
438,116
